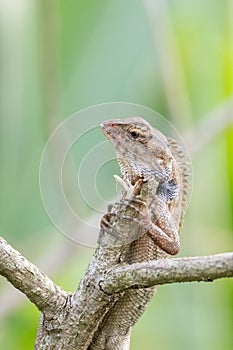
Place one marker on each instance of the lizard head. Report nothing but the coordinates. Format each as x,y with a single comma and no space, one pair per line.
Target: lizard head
142,151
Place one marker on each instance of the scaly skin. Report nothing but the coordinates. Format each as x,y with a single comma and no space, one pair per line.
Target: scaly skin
145,155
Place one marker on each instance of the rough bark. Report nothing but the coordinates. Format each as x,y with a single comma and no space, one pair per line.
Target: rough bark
69,321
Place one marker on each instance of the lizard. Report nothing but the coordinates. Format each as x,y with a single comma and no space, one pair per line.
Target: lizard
159,165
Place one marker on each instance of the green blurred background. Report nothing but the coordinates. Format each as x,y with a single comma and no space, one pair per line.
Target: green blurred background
176,57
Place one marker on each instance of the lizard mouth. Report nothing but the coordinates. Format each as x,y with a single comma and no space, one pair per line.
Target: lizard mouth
107,129
103,126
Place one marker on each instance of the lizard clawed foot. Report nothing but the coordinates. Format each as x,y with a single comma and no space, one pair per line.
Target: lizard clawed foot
127,187
134,204
105,220
129,190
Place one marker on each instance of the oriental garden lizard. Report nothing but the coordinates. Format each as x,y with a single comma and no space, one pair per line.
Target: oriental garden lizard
155,180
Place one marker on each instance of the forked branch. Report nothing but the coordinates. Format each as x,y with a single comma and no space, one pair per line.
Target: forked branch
164,271
27,278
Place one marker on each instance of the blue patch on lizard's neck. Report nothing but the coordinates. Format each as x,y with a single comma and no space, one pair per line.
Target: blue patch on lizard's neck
168,189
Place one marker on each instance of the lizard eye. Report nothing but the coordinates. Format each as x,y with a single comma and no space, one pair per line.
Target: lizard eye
134,134
137,134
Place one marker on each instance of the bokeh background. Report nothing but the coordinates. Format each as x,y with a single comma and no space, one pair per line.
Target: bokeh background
57,57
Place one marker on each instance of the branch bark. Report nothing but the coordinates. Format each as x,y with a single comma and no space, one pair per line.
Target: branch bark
164,271
72,317
27,278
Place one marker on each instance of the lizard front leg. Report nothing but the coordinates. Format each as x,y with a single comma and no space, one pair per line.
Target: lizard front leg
163,231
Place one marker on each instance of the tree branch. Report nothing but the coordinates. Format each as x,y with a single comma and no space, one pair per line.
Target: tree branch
156,272
28,279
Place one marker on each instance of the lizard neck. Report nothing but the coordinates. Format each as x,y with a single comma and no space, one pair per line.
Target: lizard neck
133,171
130,172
